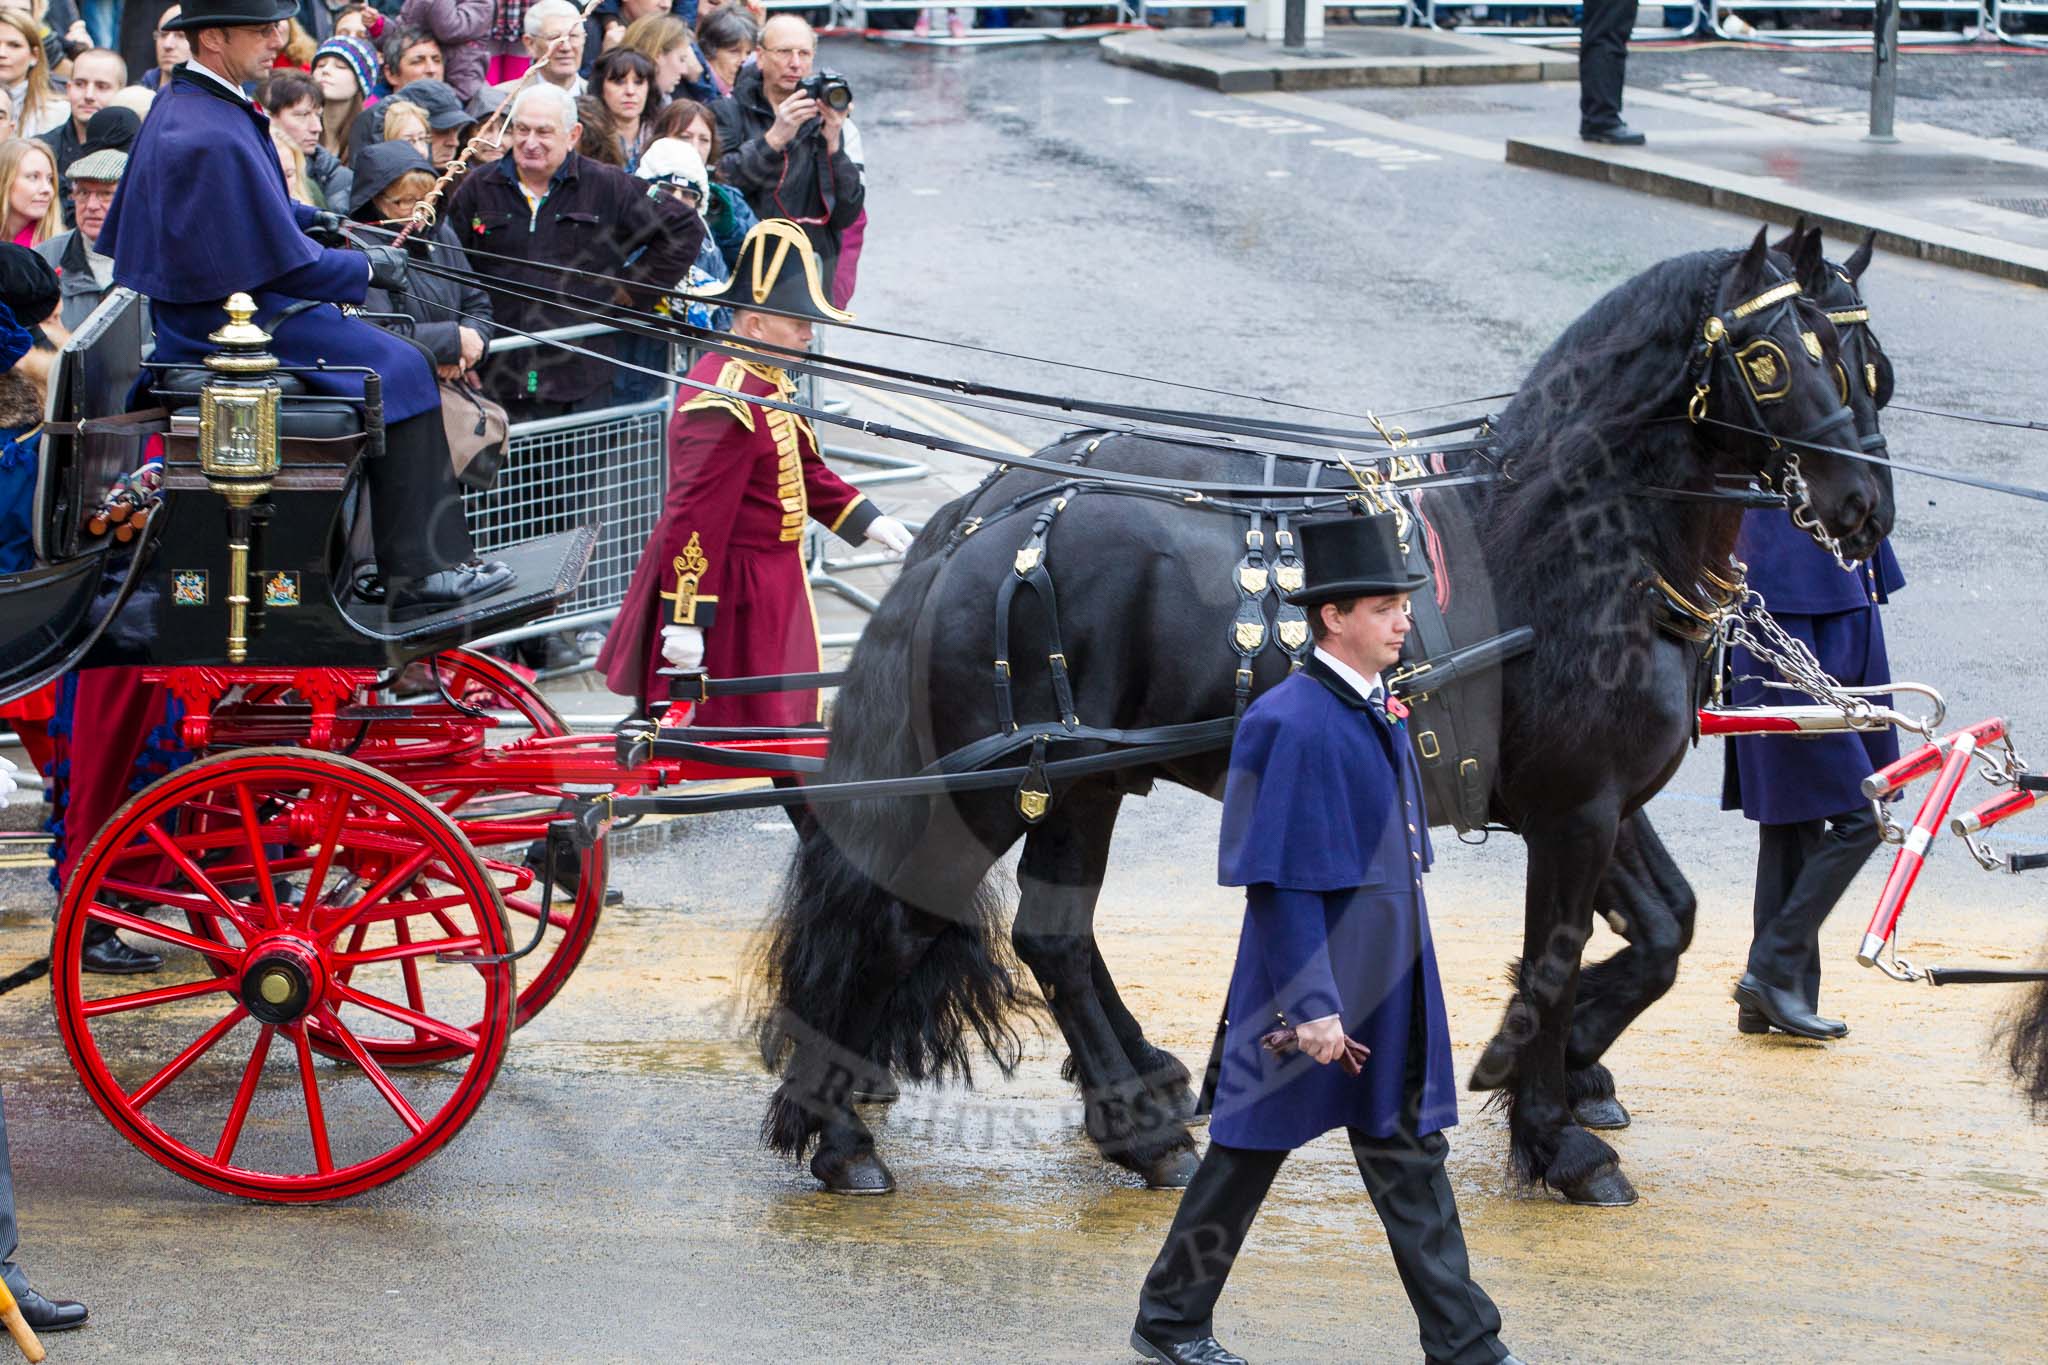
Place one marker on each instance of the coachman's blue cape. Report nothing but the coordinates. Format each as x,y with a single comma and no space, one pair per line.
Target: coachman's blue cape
1779,781
202,212
1324,827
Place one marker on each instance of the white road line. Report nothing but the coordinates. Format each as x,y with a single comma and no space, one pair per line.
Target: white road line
1358,120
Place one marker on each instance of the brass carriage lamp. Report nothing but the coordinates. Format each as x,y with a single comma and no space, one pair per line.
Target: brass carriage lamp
238,449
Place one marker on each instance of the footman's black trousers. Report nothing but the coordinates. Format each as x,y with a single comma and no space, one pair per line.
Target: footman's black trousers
1802,869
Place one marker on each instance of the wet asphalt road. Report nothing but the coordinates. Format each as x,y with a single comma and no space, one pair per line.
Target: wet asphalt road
609,1202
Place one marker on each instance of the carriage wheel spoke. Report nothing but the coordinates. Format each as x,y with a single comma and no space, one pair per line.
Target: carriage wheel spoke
348,959
156,895
177,1065
149,928
409,968
259,857
421,1023
411,950
330,838
183,862
231,1131
316,1117
379,893
162,995
378,1076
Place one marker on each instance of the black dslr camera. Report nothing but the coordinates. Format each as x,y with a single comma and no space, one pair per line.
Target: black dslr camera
828,88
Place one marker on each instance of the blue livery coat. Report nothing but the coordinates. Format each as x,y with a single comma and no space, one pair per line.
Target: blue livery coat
1323,824
1778,781
202,212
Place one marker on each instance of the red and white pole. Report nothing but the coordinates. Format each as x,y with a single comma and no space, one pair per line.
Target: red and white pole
1960,747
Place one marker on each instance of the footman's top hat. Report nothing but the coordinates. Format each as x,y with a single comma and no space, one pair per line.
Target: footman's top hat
232,13
1352,556
776,271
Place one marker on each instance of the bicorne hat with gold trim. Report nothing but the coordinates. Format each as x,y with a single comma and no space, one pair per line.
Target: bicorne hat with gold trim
777,272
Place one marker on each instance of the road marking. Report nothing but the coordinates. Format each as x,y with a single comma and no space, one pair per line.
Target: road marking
1696,86
942,420
1275,124
1390,156
924,192
1117,99
1359,121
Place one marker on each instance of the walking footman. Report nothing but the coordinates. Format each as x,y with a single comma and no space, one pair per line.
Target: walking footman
1323,825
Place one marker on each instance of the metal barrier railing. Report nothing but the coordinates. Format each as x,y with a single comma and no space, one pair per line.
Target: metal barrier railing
1436,12
1740,29
2007,15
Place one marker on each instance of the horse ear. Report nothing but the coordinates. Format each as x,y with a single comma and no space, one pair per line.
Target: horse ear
1860,262
1789,243
1806,260
1749,271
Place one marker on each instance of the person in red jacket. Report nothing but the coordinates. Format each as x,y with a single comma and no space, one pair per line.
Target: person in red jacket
722,584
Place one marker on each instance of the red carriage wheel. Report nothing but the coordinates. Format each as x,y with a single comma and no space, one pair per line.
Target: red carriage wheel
211,1069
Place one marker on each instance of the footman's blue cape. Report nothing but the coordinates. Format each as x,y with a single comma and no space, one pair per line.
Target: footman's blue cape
1323,825
202,212
1781,781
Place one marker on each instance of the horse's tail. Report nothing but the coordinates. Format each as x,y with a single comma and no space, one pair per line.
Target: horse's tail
843,934
2026,1044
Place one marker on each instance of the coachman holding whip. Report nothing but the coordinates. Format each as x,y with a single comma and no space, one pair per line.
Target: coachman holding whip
202,213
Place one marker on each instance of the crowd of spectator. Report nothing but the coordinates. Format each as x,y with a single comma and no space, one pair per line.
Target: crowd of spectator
651,137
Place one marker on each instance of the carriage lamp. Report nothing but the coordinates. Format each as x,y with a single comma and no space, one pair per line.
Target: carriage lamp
238,450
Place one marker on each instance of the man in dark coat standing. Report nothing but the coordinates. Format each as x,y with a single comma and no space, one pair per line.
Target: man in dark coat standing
1324,827
202,213
1815,828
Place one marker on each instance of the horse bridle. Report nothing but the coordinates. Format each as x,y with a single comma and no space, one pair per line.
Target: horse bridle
1759,373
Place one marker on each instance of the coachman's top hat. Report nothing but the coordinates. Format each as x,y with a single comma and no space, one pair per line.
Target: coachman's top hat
1352,556
777,271
232,13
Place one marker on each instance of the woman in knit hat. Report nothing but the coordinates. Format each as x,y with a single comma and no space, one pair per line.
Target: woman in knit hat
348,72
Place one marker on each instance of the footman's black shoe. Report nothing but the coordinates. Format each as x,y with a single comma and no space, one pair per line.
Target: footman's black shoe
112,957
1785,1011
1748,1020
1617,135
50,1315
1204,1351
409,598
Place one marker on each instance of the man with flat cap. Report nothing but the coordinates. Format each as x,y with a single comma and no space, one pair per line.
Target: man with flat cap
202,213
723,585
1335,1017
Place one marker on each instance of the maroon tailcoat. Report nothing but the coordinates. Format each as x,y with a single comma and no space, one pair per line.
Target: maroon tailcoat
727,554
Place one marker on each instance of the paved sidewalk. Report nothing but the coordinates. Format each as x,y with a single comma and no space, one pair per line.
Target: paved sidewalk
1940,195
1229,61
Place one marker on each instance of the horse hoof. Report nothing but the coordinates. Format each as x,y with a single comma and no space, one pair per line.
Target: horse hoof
860,1173
1605,1188
1172,1171
1601,1113
1495,1067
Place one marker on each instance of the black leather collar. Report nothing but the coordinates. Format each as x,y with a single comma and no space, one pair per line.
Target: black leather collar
183,77
1330,678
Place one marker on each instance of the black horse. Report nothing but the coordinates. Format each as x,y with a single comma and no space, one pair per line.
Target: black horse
886,957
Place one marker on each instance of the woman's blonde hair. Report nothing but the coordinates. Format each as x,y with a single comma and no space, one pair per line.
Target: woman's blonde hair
296,183
399,110
38,95
651,35
299,45
12,153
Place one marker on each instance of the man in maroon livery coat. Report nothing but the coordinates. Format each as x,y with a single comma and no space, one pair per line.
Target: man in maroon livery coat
722,584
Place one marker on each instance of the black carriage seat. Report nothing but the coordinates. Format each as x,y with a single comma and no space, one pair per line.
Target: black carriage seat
299,418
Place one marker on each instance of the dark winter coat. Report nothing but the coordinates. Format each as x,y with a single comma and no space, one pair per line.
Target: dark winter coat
820,190
595,218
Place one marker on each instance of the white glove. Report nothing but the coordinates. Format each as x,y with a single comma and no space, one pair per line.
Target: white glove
891,534
8,786
682,646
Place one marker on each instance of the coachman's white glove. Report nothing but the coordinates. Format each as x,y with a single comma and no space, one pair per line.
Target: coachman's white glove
891,534
682,646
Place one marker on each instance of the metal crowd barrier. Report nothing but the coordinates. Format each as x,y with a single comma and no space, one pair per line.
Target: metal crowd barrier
1437,12
2008,15
1842,37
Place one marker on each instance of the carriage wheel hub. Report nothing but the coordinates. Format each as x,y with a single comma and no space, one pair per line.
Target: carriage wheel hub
281,982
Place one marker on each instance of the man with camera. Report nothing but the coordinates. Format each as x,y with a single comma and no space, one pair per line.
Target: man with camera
783,128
